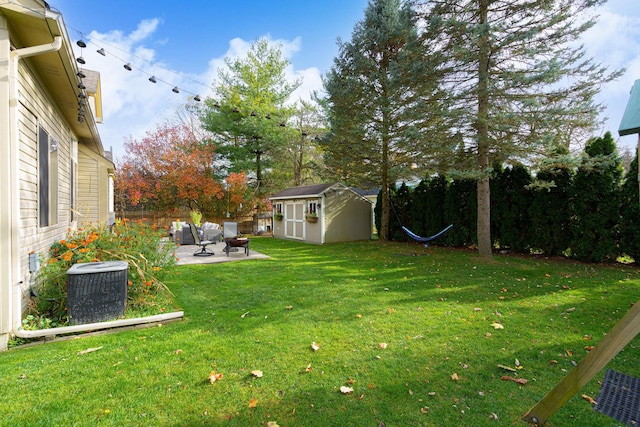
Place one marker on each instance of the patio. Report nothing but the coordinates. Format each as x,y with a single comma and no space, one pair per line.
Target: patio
184,255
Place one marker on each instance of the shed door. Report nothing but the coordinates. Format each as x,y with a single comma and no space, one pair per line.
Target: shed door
294,220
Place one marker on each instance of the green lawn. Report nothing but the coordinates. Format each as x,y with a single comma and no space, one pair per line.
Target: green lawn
432,309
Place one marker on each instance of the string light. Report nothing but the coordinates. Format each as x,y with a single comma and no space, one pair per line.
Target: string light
153,79
82,43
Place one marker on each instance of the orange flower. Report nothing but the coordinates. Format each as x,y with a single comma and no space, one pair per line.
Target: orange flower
67,256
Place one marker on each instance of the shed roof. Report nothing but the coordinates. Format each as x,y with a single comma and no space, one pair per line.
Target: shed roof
304,191
630,122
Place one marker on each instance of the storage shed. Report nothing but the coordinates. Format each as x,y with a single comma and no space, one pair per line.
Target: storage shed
322,213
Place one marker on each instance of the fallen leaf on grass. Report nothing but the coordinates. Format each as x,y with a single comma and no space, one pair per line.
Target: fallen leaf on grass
497,325
253,403
315,346
346,390
515,380
589,399
215,376
308,368
351,381
244,315
289,307
89,350
272,424
382,345
256,373
506,368
455,377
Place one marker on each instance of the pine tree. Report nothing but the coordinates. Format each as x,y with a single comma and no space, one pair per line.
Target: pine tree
380,101
596,202
549,210
460,210
248,116
517,81
630,214
512,209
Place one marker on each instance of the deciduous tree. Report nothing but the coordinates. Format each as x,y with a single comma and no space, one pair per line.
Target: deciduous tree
169,168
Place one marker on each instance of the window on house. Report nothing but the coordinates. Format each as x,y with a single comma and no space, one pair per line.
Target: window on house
47,178
278,208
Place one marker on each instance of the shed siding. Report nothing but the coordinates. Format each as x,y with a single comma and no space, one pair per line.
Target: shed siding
348,218
343,215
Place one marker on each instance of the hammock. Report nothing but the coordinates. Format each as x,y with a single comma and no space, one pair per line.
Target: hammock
425,240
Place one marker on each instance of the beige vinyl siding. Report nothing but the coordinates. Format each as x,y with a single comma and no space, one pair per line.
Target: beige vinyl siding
93,187
36,109
348,218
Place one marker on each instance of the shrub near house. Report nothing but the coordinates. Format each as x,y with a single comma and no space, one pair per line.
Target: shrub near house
137,243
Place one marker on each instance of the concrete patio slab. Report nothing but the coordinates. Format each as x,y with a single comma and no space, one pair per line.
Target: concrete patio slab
184,255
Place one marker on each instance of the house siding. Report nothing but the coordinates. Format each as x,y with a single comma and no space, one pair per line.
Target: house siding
94,173
36,110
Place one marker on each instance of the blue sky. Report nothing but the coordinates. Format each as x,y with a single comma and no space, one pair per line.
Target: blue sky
184,43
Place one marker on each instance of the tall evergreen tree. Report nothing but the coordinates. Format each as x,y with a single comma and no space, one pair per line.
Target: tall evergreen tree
549,210
630,214
380,99
512,209
427,212
402,199
460,210
517,81
247,116
596,202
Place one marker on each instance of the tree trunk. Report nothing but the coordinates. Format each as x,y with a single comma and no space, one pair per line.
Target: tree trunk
484,219
383,233
484,193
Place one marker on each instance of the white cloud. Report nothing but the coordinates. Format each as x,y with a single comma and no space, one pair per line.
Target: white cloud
615,42
132,105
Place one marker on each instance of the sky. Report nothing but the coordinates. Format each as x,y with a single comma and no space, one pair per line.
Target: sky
183,44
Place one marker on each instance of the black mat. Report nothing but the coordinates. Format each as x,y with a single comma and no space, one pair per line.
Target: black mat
619,398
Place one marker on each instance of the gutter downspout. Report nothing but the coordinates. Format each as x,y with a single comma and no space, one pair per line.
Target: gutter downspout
15,306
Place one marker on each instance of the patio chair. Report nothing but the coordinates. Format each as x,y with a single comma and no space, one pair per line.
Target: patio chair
202,243
231,239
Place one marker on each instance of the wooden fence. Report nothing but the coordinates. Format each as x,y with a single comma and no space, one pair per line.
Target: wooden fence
246,224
